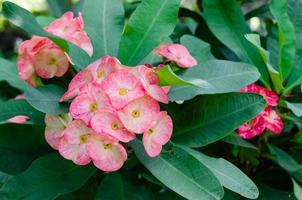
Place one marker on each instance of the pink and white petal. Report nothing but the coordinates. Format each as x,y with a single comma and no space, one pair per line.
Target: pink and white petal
139,114
19,119
273,121
158,134
107,155
108,122
25,67
80,107
82,79
252,128
122,87
75,130
75,152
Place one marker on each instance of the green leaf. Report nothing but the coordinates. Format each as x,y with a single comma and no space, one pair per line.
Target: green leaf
44,20
25,20
19,146
228,175
236,140
13,108
287,36
199,49
226,21
268,193
166,76
296,108
181,172
218,76
297,190
9,73
275,75
152,21
116,187
46,99
212,117
47,178
104,23
284,159
58,7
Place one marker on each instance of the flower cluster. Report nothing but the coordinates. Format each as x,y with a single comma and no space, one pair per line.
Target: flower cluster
111,103
40,57
268,119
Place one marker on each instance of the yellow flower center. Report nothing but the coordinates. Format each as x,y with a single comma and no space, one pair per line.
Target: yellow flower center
114,126
136,113
93,107
108,146
52,61
83,138
122,91
150,131
101,74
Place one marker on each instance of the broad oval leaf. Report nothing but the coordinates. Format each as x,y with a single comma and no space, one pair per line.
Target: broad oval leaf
181,172
226,21
9,73
236,140
19,146
228,174
152,21
219,77
46,99
104,23
296,108
47,178
13,108
210,118
25,20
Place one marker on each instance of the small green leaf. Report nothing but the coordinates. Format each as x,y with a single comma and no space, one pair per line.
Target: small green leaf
296,108
47,178
13,108
46,99
152,21
9,73
166,76
210,118
284,159
181,172
297,190
228,175
287,36
104,23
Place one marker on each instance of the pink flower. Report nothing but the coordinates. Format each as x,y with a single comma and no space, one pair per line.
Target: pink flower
273,121
106,153
72,29
150,83
19,119
73,144
122,87
78,84
107,122
139,114
55,125
270,96
103,67
252,128
40,56
158,134
87,104
176,53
